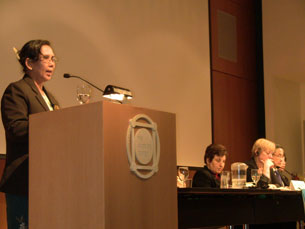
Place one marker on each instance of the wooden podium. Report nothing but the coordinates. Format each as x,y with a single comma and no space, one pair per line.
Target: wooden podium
80,177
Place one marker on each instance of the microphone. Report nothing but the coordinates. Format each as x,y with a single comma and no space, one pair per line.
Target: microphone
67,75
293,176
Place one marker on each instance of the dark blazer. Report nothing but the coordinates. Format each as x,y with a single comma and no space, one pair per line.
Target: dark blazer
205,178
19,100
264,181
284,179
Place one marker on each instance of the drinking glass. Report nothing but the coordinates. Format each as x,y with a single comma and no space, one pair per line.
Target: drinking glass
183,174
255,175
83,93
225,179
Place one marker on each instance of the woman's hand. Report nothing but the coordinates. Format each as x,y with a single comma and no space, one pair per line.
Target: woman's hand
267,165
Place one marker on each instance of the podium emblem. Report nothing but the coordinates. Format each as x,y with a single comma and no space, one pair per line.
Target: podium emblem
143,146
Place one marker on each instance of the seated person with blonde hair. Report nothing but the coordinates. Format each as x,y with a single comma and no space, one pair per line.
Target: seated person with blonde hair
262,155
263,152
209,176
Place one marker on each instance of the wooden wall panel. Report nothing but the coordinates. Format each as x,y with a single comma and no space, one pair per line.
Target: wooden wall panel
3,224
234,115
245,66
235,82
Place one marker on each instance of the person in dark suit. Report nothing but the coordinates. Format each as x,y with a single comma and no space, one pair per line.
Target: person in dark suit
21,99
279,160
283,171
263,151
215,159
262,159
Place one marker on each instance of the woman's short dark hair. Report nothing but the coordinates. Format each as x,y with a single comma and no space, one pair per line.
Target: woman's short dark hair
31,50
214,149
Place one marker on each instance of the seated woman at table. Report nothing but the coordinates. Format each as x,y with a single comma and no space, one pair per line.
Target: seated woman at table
215,159
262,153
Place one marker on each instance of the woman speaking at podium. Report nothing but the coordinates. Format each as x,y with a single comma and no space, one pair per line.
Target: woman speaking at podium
20,99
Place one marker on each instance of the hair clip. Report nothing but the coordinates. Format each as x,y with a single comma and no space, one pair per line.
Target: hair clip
17,53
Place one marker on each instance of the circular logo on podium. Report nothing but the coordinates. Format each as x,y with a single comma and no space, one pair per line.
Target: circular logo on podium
143,146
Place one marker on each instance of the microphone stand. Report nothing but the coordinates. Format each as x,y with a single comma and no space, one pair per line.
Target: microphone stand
66,75
293,176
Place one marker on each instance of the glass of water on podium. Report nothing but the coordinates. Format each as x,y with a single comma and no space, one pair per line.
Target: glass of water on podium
83,93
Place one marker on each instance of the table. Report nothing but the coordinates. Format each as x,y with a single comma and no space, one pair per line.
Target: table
201,207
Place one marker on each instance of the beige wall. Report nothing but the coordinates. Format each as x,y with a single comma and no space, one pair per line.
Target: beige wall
284,71
157,48
287,122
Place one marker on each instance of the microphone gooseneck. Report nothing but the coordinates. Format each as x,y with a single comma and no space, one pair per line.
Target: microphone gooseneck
278,167
294,176
67,75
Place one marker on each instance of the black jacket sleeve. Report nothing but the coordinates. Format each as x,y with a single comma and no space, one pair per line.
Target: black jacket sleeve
15,117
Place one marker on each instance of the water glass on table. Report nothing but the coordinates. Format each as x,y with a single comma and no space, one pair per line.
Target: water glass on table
255,175
225,179
183,174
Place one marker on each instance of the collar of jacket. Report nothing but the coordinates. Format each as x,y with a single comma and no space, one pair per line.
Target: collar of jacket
39,97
